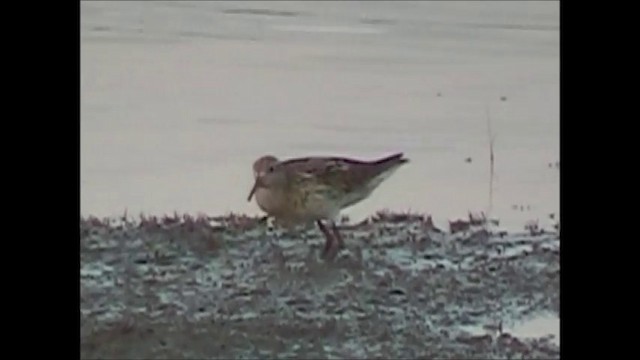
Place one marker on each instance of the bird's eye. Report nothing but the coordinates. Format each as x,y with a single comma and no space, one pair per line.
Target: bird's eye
270,169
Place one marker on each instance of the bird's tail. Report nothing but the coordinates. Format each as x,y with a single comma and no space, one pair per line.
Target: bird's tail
392,160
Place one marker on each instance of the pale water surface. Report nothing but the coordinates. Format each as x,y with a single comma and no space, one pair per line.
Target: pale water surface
179,98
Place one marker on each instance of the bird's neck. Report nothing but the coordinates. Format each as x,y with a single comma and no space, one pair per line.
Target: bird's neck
271,201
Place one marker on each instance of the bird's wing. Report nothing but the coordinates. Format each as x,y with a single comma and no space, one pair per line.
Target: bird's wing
340,173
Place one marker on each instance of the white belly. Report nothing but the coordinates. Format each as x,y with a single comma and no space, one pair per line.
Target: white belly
277,204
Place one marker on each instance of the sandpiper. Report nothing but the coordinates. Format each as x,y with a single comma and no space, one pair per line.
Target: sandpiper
313,189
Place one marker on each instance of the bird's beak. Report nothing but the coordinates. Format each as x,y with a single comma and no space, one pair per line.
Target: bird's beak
254,188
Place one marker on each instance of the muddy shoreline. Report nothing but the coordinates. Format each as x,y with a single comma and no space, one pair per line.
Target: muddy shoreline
233,287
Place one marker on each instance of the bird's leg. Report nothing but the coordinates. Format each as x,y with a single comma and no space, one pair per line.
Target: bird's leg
337,235
328,237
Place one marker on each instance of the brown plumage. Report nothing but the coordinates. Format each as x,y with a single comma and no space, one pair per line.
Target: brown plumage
302,190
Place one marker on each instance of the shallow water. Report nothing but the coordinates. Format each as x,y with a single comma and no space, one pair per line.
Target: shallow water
179,98
545,326
539,326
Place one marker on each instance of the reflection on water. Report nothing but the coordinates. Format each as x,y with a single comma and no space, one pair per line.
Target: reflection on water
541,326
538,327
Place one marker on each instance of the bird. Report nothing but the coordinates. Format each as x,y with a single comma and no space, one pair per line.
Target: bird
317,188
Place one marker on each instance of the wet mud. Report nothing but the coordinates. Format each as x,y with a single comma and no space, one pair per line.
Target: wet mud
234,287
